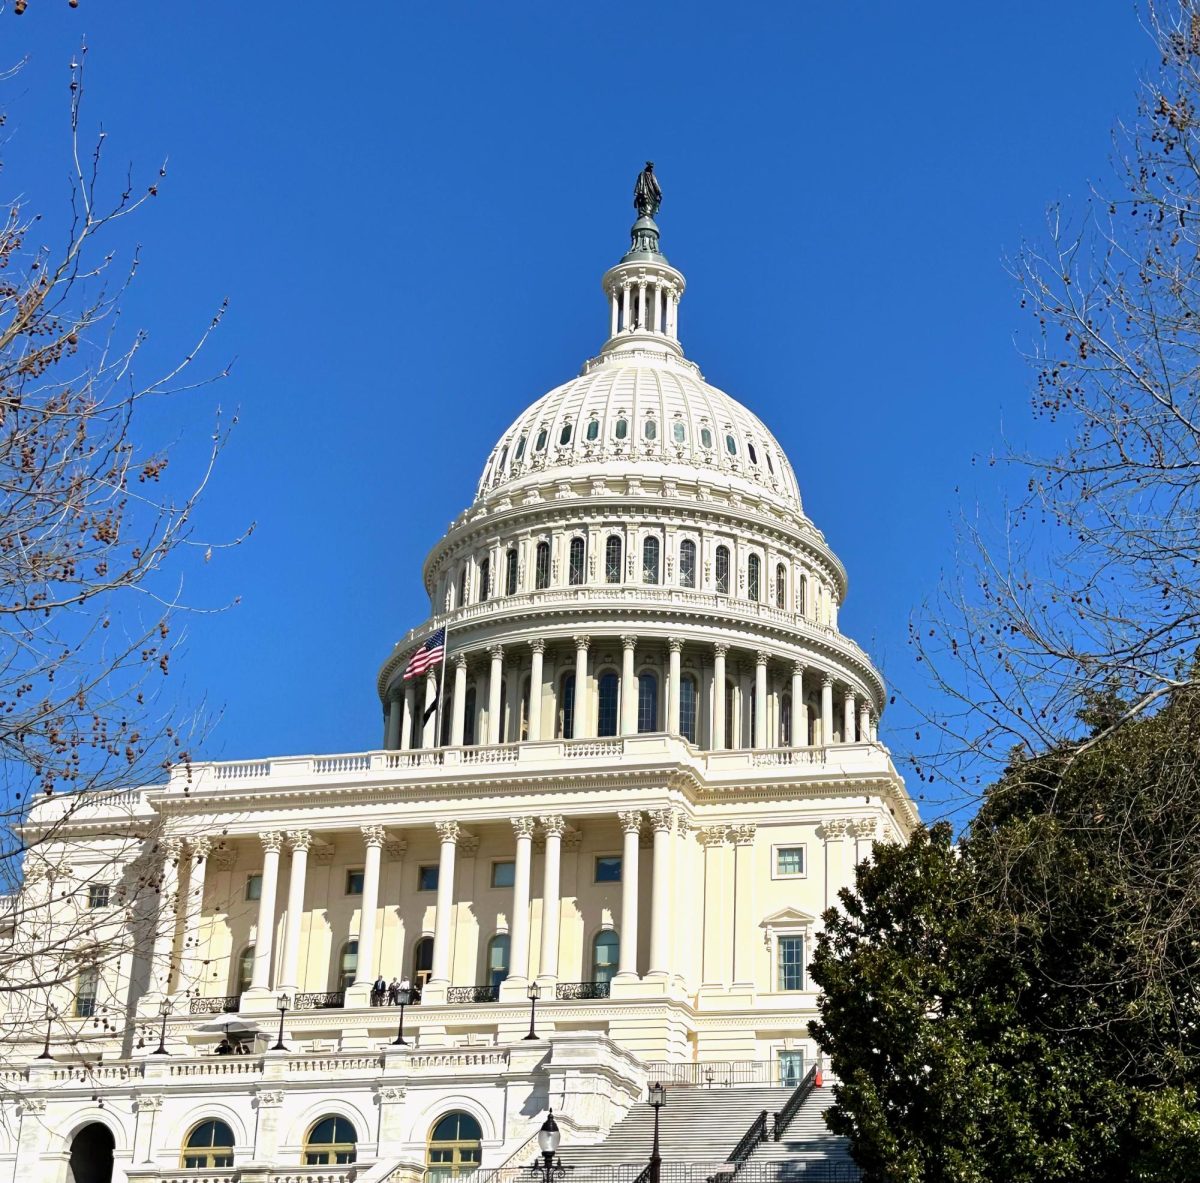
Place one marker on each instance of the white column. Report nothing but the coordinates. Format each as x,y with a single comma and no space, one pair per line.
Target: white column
641,314
718,700
518,927
663,821
406,723
864,721
168,915
537,647
799,710
675,315
628,690
580,728
442,928
631,824
495,677
652,298
848,718
289,965
430,736
364,973
458,719
554,827
760,699
512,733
874,728
826,710
612,299
190,962
260,978
626,301
395,716
674,648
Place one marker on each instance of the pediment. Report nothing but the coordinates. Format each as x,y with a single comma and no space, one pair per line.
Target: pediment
788,917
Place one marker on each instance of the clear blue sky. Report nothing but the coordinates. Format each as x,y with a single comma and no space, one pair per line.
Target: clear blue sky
410,207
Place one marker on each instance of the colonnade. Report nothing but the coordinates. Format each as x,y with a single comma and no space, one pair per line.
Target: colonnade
804,705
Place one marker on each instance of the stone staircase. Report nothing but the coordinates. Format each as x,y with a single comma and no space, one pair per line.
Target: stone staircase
806,1153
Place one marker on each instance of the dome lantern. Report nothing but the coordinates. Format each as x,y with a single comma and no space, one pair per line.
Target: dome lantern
643,289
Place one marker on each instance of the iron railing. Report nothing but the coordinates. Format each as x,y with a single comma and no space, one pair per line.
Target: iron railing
800,1094
718,1073
215,1006
461,994
326,1001
797,1171
581,991
754,1136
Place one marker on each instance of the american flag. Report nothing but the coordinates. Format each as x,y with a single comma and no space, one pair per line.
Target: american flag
428,655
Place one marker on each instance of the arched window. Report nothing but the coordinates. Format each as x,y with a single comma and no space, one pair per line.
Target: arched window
520,449
687,563
523,733
510,572
540,442
485,579
86,984
785,721
469,708
348,966
606,953
331,1140
503,458
780,586
462,587
621,430
607,715
723,570
593,430
454,1147
647,702
754,577
650,560
566,707
564,436
612,559
208,1145
422,960
687,708
497,959
541,567
245,969
650,429
803,595
575,564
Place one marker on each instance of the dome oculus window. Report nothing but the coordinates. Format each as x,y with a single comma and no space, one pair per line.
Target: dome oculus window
520,449
650,429
679,432
593,430
621,430
770,463
731,445
564,436
751,453
540,442
706,438
503,456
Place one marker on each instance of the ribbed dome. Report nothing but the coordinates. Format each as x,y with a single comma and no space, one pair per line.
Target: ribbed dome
646,413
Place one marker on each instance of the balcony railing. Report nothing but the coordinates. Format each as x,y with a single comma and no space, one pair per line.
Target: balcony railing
464,994
722,1073
215,1006
326,1001
580,991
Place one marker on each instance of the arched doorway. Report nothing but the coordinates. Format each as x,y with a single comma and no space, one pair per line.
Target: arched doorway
92,1155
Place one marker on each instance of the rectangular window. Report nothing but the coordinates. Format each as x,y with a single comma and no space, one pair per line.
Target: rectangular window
354,881
98,895
791,963
504,874
427,878
789,862
254,886
791,1068
608,868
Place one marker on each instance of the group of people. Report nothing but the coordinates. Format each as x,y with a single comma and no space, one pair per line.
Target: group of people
389,993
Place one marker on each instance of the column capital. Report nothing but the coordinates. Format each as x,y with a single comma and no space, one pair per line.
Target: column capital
373,836
395,693
835,828
826,679
661,820
272,841
712,835
675,644
172,847
523,827
631,821
496,652
447,831
582,641
538,645
761,657
628,641
555,825
798,668
299,840
720,649
743,835
460,661
200,847
864,827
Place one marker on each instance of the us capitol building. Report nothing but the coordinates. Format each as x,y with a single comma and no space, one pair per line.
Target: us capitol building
646,766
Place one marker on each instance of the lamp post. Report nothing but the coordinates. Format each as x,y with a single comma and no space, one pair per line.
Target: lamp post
657,1098
50,1013
533,993
164,1009
281,1004
549,1165
404,997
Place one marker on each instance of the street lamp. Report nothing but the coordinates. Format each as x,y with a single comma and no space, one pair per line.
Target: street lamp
548,1139
281,1004
50,1013
657,1098
533,993
403,997
164,1009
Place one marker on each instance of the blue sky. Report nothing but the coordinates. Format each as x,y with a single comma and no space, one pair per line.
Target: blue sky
410,207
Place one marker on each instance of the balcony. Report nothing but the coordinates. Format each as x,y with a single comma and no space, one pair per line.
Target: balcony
582,991
319,1001
215,1006
460,995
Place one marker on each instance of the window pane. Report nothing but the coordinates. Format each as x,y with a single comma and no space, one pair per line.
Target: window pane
791,1068
98,895
647,703
575,573
354,882
650,430
606,953
503,874
608,868
789,860
687,563
753,581
607,712
485,579
723,570
705,437
780,586
687,709
510,577
650,560
567,709
593,429
542,574
791,963
731,445
564,436
540,443
254,886
680,433
427,878
612,559
621,430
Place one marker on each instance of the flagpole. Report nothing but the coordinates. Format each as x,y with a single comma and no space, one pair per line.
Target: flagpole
437,718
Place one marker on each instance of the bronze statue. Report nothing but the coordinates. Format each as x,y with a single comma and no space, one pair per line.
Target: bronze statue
647,196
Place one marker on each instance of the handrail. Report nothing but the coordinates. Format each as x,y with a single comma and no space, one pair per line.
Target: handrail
800,1094
756,1134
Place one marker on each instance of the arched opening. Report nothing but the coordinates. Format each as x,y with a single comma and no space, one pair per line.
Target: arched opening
722,564
208,1145
650,560
647,702
575,562
485,579
802,595
687,708
785,721
469,711
348,966
497,959
541,566
566,707
612,559
687,563
454,1147
92,1155
332,1140
606,953
462,587
245,970
422,961
780,586
754,577
510,572
609,688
